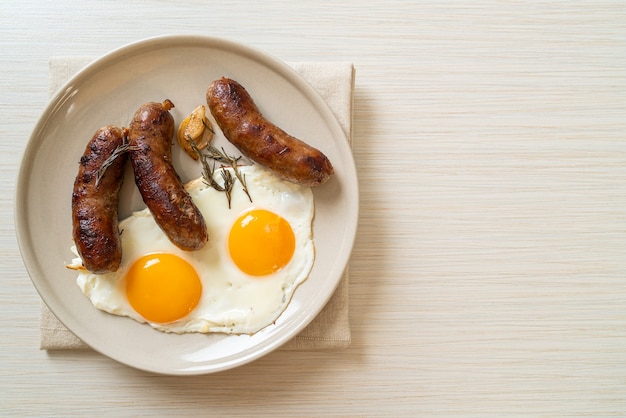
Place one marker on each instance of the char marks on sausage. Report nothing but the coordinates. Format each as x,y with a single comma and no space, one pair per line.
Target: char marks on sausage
95,201
260,140
150,134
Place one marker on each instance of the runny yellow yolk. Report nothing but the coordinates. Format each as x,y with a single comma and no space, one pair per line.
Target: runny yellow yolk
261,242
162,287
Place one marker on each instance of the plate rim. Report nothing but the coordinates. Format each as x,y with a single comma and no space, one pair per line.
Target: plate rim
42,284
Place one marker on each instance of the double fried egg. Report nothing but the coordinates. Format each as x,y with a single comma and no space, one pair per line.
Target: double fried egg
239,283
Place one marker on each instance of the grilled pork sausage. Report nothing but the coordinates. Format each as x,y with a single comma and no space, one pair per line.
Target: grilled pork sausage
95,201
260,140
150,136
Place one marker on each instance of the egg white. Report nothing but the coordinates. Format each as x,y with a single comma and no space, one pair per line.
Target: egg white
232,302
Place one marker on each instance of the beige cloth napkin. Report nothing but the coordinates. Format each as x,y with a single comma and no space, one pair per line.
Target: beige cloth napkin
331,328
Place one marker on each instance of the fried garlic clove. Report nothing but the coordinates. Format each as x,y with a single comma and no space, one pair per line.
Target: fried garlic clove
197,128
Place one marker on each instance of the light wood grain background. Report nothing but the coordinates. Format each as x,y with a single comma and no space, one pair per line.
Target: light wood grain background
489,272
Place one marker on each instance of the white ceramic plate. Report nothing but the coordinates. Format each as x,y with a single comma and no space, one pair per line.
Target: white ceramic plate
108,92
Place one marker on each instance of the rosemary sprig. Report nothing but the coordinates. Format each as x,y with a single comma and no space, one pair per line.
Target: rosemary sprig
221,156
208,170
228,184
232,162
121,149
242,180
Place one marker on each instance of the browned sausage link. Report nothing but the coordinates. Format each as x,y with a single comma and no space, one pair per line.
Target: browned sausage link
150,134
260,140
94,207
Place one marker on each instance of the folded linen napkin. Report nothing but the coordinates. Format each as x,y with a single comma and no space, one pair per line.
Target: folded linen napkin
331,328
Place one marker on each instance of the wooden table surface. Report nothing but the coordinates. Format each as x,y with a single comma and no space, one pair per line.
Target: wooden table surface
488,276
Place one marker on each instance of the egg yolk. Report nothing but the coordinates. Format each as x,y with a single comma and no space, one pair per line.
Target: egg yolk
261,242
162,287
